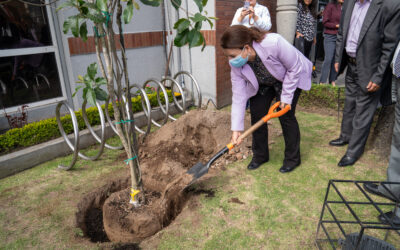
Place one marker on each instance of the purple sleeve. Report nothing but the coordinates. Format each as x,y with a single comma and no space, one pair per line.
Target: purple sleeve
239,99
290,59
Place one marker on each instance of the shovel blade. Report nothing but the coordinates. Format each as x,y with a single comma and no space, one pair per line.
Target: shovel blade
198,170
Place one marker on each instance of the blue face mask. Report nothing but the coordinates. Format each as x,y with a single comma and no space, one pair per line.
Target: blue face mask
239,61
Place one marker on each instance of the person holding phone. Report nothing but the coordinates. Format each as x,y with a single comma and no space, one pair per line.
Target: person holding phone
253,14
306,26
264,66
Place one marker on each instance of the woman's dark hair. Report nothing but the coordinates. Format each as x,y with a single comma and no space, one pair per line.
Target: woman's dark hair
312,7
237,36
334,1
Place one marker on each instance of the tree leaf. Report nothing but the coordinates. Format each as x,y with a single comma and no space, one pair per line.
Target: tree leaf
154,3
198,18
91,6
195,38
128,12
84,95
92,71
83,31
66,26
76,90
199,4
100,94
66,4
80,78
102,5
204,2
91,97
100,81
204,44
136,5
176,3
74,25
210,22
198,25
181,25
181,38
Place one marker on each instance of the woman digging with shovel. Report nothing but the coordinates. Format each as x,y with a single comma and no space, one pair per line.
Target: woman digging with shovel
265,66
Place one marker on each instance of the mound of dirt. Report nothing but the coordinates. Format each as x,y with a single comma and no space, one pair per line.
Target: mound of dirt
165,156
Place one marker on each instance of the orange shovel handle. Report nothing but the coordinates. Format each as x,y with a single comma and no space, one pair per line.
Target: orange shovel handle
271,114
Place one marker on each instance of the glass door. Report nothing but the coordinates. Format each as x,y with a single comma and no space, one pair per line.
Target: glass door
29,60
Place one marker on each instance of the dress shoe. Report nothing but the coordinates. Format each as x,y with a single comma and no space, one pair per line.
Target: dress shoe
338,142
374,189
254,165
287,169
392,218
347,161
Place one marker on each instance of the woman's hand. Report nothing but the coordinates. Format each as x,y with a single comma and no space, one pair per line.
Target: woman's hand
283,105
337,26
235,137
337,67
298,34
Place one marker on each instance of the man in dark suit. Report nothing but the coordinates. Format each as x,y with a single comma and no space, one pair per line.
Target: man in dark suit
393,171
368,34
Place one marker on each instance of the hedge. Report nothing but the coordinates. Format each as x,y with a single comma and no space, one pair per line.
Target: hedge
323,96
45,130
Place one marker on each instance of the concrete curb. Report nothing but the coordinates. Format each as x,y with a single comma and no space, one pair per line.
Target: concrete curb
32,156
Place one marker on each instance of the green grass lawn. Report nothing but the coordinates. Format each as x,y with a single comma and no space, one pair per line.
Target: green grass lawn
278,211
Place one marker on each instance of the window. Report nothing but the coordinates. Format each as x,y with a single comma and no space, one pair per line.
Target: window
29,58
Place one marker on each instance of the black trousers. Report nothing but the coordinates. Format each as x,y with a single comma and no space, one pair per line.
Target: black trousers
259,106
358,113
303,46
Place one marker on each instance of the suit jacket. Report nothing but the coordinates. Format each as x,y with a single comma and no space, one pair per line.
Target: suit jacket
283,61
379,35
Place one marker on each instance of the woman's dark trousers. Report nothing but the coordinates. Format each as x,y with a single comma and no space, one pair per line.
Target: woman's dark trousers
259,106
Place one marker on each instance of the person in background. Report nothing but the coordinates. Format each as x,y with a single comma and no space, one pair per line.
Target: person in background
306,26
253,14
393,171
367,37
331,20
265,66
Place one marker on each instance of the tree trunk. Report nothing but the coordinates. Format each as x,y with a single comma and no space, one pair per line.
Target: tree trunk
381,137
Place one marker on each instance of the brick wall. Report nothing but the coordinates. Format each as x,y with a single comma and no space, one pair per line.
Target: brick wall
132,40
225,10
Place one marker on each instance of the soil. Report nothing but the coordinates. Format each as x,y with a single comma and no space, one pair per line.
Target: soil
165,156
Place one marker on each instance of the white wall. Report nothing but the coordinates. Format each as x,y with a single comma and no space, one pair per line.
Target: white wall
202,64
143,63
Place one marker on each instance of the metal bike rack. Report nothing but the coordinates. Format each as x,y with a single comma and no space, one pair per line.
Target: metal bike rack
147,110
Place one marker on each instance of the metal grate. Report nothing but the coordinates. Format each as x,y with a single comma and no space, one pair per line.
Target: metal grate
348,239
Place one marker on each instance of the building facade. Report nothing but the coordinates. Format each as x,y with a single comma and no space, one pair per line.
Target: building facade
39,64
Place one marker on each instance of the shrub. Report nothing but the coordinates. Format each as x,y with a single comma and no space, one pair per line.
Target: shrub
323,96
45,130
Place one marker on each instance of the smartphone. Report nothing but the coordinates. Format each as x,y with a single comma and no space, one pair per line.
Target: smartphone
246,5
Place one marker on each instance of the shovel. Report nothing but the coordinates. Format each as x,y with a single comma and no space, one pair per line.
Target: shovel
200,169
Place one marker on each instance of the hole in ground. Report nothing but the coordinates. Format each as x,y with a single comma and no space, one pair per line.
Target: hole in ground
94,225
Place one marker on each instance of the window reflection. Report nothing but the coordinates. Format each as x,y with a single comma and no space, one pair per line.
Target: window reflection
21,22
28,78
